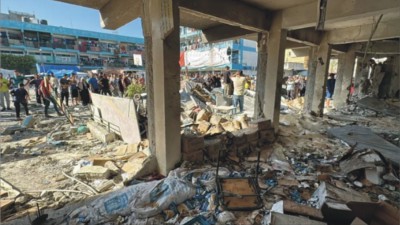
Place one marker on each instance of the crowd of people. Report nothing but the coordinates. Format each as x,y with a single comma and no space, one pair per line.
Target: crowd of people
295,86
70,90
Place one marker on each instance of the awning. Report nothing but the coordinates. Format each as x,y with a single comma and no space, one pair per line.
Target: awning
45,68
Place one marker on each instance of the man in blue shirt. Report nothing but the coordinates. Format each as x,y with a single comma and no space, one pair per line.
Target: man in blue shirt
93,83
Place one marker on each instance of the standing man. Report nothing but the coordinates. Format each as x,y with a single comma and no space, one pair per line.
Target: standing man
4,94
45,91
105,85
64,89
227,81
36,81
94,85
239,82
21,97
330,87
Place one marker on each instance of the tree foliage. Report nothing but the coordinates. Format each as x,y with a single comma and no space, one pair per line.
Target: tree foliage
23,64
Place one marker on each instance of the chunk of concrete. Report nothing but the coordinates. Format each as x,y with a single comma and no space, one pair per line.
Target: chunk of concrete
93,172
100,132
12,130
128,149
112,167
139,165
60,135
203,115
203,127
191,143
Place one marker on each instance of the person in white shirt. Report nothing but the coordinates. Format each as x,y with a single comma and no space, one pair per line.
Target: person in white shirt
54,84
239,82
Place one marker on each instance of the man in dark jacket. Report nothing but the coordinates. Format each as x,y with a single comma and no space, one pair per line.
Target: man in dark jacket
21,97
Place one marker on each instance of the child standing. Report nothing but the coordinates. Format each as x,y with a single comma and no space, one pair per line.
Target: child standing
21,97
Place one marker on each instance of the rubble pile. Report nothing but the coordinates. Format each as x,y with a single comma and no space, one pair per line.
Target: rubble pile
333,170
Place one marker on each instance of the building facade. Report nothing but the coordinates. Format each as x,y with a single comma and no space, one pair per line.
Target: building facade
65,48
240,54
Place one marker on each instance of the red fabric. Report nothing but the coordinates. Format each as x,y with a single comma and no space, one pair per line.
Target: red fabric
45,89
182,59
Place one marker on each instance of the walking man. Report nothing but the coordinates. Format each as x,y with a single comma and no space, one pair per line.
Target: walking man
239,82
45,91
21,97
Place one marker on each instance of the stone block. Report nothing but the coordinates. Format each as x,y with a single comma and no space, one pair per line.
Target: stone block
128,149
93,172
101,133
191,143
203,115
260,124
112,167
229,126
237,125
203,127
139,165
12,130
216,129
197,156
212,148
216,119
99,161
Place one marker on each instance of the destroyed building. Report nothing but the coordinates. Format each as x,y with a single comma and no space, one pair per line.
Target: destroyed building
199,163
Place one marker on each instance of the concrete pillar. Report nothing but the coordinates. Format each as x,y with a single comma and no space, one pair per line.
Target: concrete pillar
321,75
346,63
312,69
275,63
161,29
261,75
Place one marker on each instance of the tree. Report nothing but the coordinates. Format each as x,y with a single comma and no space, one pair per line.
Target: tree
23,64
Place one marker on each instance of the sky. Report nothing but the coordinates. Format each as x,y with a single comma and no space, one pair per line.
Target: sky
67,15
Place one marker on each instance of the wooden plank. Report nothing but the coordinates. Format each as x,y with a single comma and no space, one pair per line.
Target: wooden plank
238,187
283,219
243,202
293,208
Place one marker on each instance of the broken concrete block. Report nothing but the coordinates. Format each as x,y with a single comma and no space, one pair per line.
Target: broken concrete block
106,185
373,175
5,204
60,135
244,122
140,164
12,130
93,172
99,161
112,167
197,156
236,125
217,129
228,126
100,132
203,127
260,124
191,143
212,148
216,119
203,115
128,149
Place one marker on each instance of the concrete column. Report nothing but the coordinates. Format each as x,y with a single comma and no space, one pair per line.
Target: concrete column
261,75
312,69
321,75
161,28
346,63
275,63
